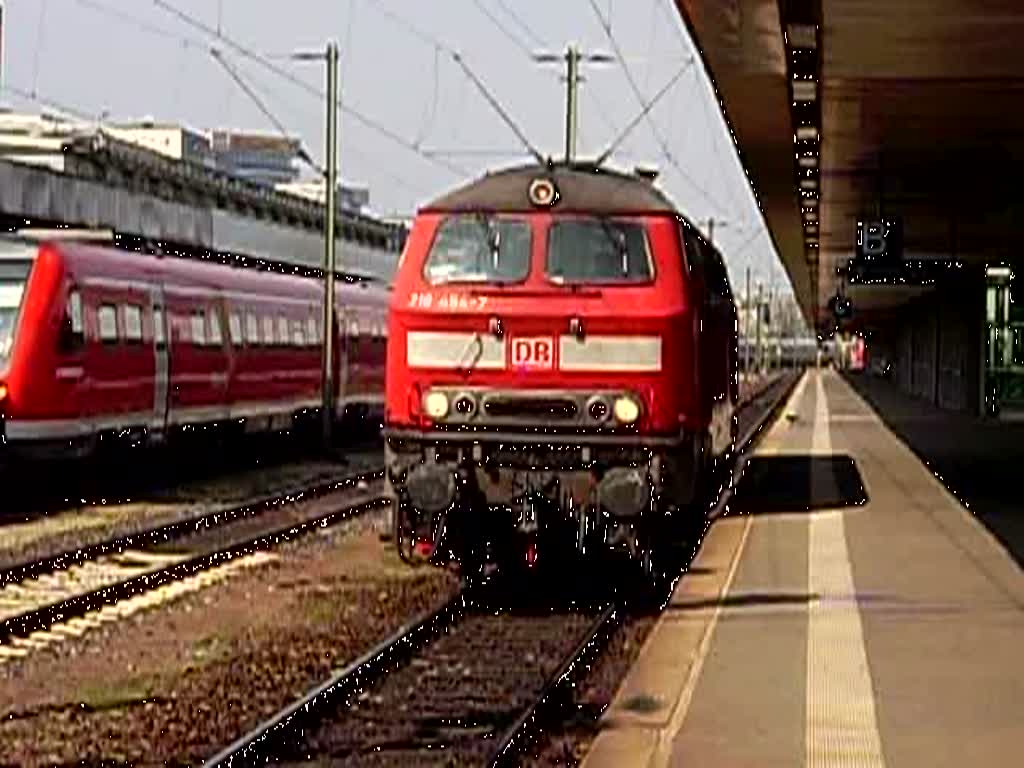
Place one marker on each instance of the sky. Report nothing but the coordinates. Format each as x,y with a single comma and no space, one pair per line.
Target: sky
415,125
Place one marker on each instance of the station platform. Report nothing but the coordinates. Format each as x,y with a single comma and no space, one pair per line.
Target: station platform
848,611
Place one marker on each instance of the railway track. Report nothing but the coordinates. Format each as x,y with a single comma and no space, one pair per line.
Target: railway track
471,683
51,597
437,684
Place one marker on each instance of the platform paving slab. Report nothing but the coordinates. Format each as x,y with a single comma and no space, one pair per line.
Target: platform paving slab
849,611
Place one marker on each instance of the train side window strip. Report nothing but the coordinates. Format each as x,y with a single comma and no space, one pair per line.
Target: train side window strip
268,330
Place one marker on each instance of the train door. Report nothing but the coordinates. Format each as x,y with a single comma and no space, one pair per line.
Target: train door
162,359
348,356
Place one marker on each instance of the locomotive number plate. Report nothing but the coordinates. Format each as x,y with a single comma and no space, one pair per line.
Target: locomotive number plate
533,352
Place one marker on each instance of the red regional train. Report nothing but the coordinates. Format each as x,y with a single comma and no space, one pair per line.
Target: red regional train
561,369
96,342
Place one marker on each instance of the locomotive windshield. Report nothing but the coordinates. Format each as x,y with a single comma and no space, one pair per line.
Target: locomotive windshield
478,248
598,251
13,275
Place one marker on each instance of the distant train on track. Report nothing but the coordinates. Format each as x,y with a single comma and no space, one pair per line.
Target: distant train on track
101,343
561,369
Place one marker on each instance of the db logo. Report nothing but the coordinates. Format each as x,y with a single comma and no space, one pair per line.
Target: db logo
532,353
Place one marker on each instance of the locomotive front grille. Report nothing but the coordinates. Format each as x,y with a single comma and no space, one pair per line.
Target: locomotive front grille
531,408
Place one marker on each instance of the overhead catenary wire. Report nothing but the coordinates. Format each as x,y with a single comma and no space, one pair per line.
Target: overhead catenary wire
35,97
144,26
537,40
606,26
40,31
195,45
283,73
643,113
505,30
470,74
301,152
430,113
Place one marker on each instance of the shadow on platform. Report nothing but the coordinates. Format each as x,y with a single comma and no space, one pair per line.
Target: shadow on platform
744,600
978,461
779,484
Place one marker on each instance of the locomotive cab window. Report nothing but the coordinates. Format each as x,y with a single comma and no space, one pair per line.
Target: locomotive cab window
598,251
474,248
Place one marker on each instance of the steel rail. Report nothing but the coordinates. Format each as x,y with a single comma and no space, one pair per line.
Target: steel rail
179,528
516,736
24,624
406,640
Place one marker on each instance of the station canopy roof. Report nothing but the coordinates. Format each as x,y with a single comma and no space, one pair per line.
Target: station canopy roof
858,110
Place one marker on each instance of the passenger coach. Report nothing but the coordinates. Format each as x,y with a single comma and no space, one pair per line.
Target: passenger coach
100,342
561,368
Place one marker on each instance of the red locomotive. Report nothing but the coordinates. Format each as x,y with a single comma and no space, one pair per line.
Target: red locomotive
562,368
96,341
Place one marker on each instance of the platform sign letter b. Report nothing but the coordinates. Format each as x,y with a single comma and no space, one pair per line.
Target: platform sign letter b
872,239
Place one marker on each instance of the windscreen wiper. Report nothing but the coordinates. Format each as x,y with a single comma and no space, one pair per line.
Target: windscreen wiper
618,241
493,237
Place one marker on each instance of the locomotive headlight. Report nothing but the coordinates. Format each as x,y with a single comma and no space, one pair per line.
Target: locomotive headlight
436,405
627,410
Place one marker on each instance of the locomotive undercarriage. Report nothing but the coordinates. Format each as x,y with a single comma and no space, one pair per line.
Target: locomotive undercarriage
479,503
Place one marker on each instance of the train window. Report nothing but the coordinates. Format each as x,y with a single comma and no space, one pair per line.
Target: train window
353,329
11,292
133,323
198,329
107,319
282,330
235,328
72,327
477,248
75,313
268,330
598,251
298,335
252,329
216,337
313,331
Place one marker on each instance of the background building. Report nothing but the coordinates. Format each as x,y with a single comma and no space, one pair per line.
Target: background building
266,159
175,141
355,199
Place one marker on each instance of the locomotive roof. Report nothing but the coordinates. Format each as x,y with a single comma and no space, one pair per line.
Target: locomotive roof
580,188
